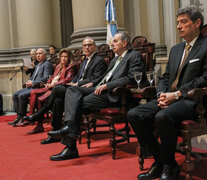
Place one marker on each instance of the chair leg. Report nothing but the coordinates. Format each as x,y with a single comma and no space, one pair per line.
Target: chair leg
140,158
113,140
88,132
127,129
94,124
188,165
79,137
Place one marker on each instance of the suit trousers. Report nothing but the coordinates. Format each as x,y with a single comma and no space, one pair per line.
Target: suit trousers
147,117
20,100
78,101
55,102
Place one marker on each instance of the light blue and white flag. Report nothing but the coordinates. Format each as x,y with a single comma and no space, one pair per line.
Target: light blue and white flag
110,17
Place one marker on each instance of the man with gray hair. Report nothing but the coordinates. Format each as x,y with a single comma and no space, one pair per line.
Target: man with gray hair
41,73
185,70
97,94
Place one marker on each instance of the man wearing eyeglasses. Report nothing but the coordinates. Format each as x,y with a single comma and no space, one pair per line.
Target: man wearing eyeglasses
90,69
98,94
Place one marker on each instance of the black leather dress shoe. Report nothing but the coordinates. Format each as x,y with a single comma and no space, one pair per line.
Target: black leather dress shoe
36,130
24,123
170,173
14,122
154,172
50,140
30,118
65,154
21,121
65,131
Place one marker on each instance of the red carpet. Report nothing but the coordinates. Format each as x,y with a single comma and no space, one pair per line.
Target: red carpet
7,118
22,157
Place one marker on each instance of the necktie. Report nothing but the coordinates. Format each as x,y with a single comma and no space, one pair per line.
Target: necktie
175,83
83,69
35,74
108,75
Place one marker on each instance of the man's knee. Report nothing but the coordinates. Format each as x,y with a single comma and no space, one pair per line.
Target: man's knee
161,118
23,96
72,89
58,103
58,88
133,116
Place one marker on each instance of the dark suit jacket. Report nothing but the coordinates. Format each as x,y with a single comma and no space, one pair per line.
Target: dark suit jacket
194,72
44,71
123,74
96,67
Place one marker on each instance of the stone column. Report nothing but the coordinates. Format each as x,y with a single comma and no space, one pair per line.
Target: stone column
34,23
155,26
89,20
5,25
169,23
133,19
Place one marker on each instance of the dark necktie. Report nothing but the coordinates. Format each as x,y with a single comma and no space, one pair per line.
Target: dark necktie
83,69
175,83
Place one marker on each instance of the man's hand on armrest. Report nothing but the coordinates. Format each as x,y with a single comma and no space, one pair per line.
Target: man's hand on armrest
88,85
100,89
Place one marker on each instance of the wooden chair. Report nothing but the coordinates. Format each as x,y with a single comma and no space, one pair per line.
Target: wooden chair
189,129
115,115
105,52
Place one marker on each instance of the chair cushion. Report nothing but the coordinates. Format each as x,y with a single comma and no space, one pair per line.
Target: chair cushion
110,111
189,125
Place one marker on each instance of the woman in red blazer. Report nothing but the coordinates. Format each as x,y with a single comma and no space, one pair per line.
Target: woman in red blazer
64,73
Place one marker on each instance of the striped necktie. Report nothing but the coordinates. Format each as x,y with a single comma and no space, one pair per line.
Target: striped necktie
108,75
175,83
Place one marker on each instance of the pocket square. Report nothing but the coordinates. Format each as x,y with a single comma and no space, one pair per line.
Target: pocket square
193,60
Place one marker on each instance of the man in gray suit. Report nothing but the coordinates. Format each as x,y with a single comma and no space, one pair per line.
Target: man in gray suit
41,73
185,70
97,94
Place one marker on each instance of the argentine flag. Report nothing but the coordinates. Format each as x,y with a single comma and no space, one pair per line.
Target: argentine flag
110,17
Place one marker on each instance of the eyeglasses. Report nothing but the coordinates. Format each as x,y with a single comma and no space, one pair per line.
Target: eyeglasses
89,45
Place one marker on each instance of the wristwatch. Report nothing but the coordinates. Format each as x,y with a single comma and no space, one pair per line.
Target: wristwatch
176,95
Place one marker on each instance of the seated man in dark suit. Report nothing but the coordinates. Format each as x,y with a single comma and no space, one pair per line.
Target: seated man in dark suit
185,70
41,73
90,69
97,94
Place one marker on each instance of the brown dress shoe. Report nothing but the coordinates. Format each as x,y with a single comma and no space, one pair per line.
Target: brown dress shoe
21,121
23,124
14,122
36,130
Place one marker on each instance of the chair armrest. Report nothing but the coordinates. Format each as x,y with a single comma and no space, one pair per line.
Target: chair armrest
125,95
197,93
197,96
148,92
